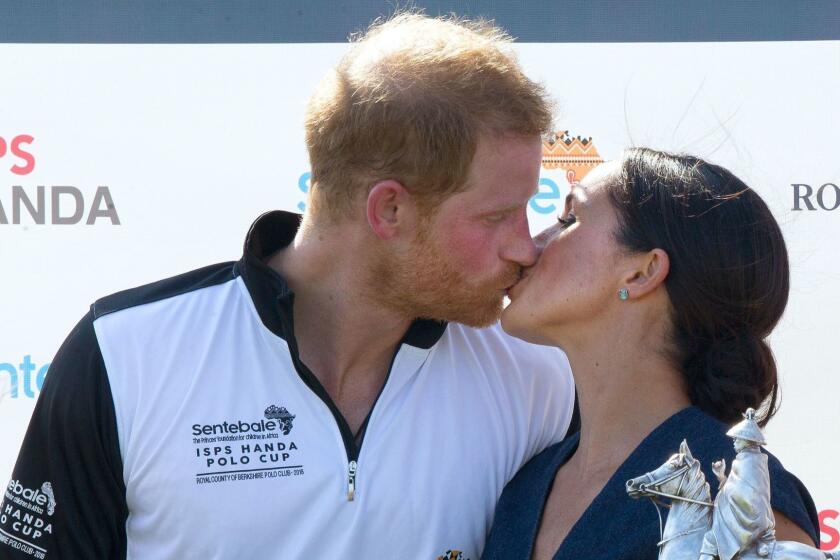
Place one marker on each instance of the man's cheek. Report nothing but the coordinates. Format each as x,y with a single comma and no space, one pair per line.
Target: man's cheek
465,251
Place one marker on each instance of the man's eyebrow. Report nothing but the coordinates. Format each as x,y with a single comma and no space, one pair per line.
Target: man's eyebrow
507,209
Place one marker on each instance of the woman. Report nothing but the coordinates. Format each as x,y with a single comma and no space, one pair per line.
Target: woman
661,281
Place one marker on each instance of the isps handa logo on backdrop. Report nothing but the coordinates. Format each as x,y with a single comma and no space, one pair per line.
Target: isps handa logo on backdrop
574,155
829,529
61,204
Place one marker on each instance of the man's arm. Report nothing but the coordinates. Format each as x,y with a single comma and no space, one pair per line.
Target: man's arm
553,400
66,498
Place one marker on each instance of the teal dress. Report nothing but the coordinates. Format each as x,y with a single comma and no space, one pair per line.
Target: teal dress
615,526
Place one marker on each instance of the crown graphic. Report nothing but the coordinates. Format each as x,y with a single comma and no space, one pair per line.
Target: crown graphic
577,155
278,413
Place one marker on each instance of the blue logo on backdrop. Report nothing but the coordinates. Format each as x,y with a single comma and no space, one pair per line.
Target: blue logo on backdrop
540,203
304,182
25,378
548,190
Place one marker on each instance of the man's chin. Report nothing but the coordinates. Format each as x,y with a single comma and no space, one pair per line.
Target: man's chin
476,316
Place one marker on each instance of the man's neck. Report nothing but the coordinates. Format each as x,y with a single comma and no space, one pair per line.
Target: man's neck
343,336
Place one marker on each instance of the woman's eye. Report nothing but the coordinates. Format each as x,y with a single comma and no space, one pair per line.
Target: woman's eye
567,221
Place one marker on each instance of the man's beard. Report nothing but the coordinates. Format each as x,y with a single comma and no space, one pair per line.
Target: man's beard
426,284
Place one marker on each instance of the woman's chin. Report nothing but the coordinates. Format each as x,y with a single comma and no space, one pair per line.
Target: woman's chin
516,323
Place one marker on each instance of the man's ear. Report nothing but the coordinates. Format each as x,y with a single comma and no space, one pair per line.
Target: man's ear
651,271
390,208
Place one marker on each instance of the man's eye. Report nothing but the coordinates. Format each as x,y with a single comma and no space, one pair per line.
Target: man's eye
567,221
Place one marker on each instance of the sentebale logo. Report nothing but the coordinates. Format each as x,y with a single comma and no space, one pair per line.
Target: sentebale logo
25,377
42,497
282,415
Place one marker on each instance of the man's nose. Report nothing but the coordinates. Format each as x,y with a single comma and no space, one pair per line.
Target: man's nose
522,249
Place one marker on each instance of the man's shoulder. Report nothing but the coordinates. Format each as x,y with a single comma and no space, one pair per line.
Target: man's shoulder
494,341
510,361
167,288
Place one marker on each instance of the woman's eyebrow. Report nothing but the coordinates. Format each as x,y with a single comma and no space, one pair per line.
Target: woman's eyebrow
577,193
569,198
567,204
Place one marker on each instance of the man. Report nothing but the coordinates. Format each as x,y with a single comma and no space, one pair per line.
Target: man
342,391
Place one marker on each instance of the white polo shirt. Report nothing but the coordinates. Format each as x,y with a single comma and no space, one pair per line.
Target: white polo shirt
177,421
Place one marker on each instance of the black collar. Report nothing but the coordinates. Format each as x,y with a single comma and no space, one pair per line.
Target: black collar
272,296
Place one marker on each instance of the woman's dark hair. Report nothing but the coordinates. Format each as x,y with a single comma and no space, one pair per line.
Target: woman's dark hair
728,281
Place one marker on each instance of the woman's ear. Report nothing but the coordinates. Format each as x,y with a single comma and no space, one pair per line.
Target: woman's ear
389,209
651,271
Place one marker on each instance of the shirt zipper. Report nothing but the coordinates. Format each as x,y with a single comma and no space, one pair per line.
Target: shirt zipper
351,449
351,482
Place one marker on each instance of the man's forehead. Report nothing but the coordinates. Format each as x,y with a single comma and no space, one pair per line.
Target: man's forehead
504,155
499,196
478,195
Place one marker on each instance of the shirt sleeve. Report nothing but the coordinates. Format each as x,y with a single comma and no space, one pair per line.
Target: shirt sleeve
66,498
553,402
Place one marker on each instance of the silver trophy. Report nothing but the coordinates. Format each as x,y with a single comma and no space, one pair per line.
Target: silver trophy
739,524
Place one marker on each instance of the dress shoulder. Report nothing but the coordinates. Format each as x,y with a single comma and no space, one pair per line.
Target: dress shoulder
520,507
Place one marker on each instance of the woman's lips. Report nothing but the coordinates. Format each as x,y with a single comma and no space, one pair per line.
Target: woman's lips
510,291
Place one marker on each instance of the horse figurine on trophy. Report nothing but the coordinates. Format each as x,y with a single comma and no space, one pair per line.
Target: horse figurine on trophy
681,480
739,524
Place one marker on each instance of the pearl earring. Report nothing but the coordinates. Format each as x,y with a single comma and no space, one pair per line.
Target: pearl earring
623,294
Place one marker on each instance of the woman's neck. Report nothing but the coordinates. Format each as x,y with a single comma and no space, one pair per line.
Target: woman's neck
624,393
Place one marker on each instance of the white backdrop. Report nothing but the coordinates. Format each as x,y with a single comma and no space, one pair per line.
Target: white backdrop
194,141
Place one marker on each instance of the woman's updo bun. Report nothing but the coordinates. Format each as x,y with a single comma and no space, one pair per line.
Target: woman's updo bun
727,376
729,277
